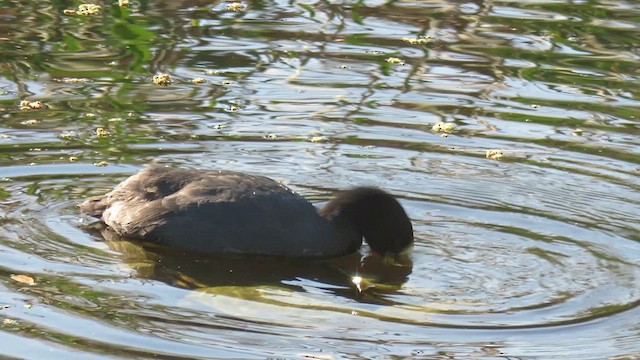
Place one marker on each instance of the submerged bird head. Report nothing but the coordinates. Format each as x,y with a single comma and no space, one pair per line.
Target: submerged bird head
376,215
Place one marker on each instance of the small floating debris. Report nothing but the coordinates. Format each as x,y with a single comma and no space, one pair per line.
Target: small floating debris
494,154
30,122
66,136
270,136
115,119
235,6
84,10
27,105
226,82
444,127
102,132
198,81
123,3
90,115
417,40
212,72
73,158
162,79
25,279
101,164
395,61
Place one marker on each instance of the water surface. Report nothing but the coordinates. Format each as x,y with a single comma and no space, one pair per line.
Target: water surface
534,254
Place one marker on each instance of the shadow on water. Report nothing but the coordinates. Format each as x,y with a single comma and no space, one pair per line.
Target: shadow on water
193,270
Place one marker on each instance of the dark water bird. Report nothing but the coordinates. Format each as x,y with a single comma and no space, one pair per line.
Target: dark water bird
220,212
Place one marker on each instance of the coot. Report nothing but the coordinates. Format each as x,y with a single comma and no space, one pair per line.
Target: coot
231,212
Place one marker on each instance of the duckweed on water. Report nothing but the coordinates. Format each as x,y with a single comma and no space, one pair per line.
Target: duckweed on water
395,61
317,139
65,136
494,154
26,105
443,127
84,10
416,40
102,132
235,6
75,80
162,79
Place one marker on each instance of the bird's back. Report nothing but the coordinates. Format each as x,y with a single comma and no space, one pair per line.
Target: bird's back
216,212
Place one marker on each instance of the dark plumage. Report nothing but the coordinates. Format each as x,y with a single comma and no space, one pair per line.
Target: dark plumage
230,212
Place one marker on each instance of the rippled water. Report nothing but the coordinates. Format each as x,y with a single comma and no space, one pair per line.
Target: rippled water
532,255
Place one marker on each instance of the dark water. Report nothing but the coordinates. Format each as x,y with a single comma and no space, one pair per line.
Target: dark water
532,255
